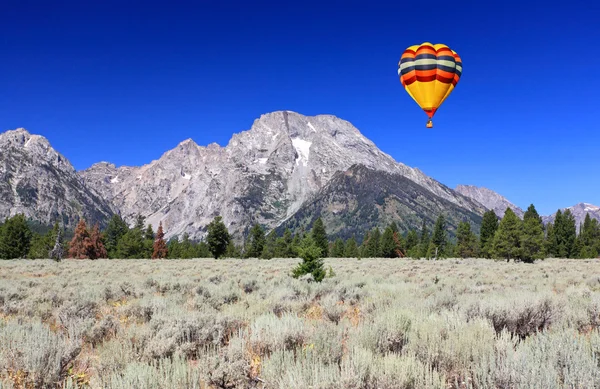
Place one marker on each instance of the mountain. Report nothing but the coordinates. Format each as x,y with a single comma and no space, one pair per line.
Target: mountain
265,174
579,211
489,199
42,184
361,198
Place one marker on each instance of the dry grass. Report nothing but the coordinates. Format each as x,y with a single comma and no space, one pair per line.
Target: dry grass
379,323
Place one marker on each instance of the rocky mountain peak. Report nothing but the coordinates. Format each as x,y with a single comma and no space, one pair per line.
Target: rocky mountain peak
489,199
41,183
263,175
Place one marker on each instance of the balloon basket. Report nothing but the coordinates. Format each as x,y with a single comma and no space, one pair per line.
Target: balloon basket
429,124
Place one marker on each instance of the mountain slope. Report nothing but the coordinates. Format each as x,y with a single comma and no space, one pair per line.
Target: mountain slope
42,184
263,175
489,199
362,198
579,211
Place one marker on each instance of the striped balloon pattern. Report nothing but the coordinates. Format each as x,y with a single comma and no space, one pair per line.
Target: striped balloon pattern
429,74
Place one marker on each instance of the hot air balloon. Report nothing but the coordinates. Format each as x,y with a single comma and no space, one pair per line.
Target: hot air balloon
429,74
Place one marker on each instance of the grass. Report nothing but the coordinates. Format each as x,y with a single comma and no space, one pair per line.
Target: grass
378,323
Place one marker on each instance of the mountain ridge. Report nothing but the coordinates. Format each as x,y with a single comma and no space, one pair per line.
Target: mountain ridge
41,183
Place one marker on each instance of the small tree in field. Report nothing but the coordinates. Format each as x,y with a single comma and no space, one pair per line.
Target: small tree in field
218,237
160,246
312,261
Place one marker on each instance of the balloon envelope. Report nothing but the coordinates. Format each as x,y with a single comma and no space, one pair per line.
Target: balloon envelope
429,74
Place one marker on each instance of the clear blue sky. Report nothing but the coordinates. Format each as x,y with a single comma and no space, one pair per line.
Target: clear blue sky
125,83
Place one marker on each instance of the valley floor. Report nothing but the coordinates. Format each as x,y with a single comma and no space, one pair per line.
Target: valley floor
377,323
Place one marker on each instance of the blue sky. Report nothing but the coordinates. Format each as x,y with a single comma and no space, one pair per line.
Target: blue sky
125,81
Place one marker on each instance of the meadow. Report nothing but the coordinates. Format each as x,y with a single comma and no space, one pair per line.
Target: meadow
375,323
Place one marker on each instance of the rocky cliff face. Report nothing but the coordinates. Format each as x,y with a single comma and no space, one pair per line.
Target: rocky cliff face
489,199
42,184
263,175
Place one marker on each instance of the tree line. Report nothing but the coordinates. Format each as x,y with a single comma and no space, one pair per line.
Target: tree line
507,238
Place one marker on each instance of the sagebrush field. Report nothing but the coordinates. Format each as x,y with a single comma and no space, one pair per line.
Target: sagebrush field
377,323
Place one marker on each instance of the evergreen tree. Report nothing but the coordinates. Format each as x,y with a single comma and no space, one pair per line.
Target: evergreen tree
186,248
270,246
81,245
174,248
233,251
296,242
424,241
312,261
255,242
218,237
115,230
319,236
532,213
351,249
41,245
489,226
371,247
507,240
532,239
388,244
589,237
15,238
550,242
439,238
284,245
131,245
159,249
565,233
412,244
466,246
337,250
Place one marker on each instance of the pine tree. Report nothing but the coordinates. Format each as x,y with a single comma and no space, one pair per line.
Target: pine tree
96,247
424,241
532,239
319,236
388,244
255,242
296,242
233,251
159,249
507,240
439,238
550,242
565,233
15,238
218,237
412,244
115,230
284,245
351,249
312,261
589,236
466,246
337,250
131,245
371,248
41,245
489,226
270,246
81,244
